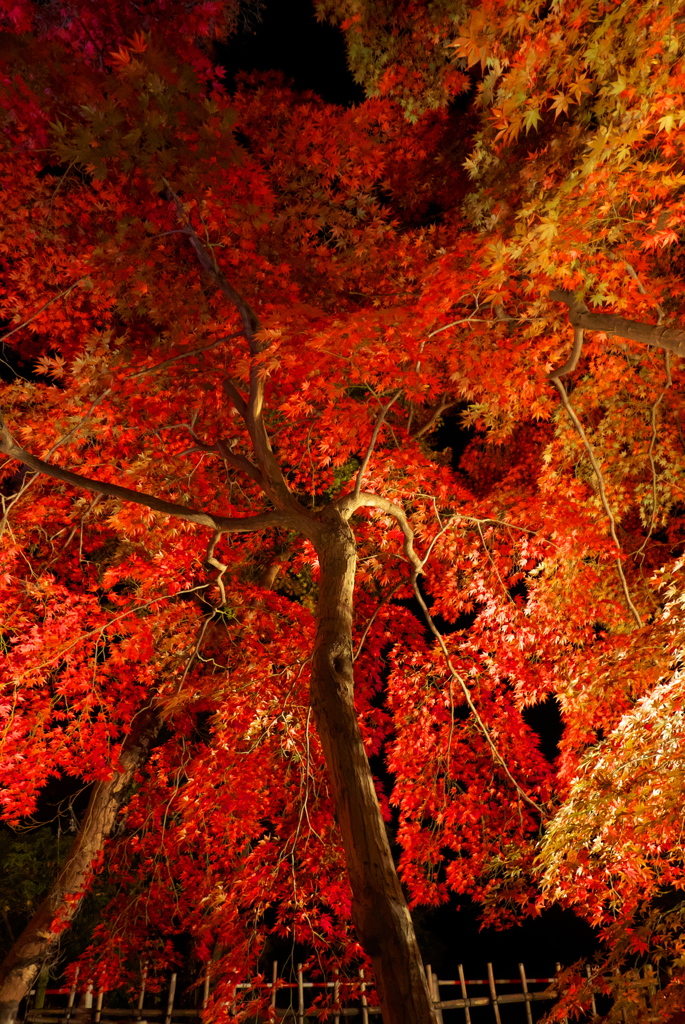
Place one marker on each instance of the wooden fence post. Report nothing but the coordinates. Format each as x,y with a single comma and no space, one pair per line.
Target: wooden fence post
429,978
72,996
336,998
524,984
646,981
141,994
493,994
274,979
593,1003
86,1000
462,983
558,971
300,995
170,1000
365,1005
435,991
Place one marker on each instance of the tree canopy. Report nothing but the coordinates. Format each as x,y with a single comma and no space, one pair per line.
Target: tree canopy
235,563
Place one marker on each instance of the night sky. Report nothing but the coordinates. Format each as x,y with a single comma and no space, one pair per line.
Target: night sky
312,56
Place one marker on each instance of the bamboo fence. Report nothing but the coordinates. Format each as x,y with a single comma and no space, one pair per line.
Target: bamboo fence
83,1006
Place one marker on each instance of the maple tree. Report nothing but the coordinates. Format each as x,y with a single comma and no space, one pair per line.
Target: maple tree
220,493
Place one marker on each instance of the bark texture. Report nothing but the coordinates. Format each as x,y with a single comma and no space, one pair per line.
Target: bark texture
671,339
38,940
379,910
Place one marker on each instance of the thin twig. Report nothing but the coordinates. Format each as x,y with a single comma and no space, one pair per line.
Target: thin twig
469,700
140,373
494,564
602,492
45,305
398,514
494,522
384,600
372,443
650,452
443,405
486,320
196,652
641,288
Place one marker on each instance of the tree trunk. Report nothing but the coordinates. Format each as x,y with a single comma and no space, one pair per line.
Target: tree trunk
379,910
38,940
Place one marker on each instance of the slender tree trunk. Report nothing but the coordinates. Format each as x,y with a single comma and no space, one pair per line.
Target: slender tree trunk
38,940
379,910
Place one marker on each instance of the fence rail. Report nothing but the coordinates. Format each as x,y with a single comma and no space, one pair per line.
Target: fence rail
83,1008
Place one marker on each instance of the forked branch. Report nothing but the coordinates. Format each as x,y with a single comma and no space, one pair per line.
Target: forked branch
221,524
272,481
671,339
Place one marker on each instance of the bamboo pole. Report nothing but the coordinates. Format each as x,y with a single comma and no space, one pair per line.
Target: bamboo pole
205,991
365,1005
170,1000
41,985
300,995
86,1001
493,994
72,996
593,1003
336,998
558,971
274,979
435,992
524,984
141,994
98,1006
462,983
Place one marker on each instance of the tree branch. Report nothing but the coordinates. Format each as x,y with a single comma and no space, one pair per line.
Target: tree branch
272,481
239,462
231,390
210,559
443,405
349,504
670,338
572,361
247,314
372,443
221,524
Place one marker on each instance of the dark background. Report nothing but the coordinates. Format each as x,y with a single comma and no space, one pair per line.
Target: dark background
312,56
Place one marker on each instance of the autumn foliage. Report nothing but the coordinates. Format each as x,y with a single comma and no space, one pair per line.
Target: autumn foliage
389,287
